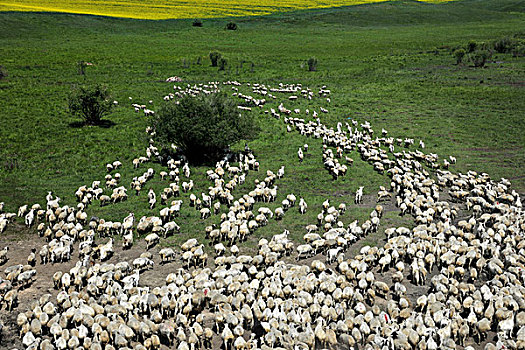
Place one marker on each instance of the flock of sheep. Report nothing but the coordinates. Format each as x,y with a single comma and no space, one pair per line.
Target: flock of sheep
472,269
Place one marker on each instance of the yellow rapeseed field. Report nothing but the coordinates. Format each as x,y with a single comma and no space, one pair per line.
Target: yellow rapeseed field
164,9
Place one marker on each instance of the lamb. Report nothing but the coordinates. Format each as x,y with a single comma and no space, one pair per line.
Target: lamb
152,198
127,242
30,218
359,195
3,255
300,155
302,205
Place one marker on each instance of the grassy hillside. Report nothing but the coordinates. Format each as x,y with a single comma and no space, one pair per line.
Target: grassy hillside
154,9
389,63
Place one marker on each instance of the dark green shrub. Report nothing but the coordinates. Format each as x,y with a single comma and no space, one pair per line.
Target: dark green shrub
91,103
472,46
197,23
312,64
231,26
214,57
504,45
202,127
479,57
82,67
518,51
223,62
459,54
3,72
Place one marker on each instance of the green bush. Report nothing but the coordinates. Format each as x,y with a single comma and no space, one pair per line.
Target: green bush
197,23
91,103
479,57
472,46
312,64
3,72
223,62
214,57
504,45
459,54
202,127
231,26
518,51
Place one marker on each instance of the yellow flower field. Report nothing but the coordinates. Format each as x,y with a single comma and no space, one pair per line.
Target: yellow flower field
164,9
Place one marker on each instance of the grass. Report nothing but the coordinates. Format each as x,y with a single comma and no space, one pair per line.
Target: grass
390,63
154,9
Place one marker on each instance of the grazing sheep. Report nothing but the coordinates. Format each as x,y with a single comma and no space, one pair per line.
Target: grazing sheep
151,240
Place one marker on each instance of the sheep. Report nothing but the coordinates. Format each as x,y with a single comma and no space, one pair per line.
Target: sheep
106,250
127,240
302,206
205,213
166,255
279,213
3,255
151,240
142,263
300,155
11,299
359,195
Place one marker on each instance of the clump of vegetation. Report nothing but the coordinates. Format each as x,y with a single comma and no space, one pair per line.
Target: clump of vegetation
214,57
197,23
312,64
504,45
518,51
231,26
223,62
472,46
82,67
203,127
479,57
3,72
91,103
459,54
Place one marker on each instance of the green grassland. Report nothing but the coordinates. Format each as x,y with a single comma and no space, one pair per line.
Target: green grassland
388,63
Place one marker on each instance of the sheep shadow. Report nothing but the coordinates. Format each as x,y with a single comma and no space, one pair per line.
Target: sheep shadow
102,124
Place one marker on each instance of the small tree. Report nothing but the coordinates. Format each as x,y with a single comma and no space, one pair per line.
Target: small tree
90,103
518,51
312,64
214,57
504,45
197,23
202,127
472,46
231,26
459,54
223,62
479,57
3,72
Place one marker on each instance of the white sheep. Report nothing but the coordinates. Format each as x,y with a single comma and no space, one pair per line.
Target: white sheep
205,213
127,240
359,195
30,218
151,240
